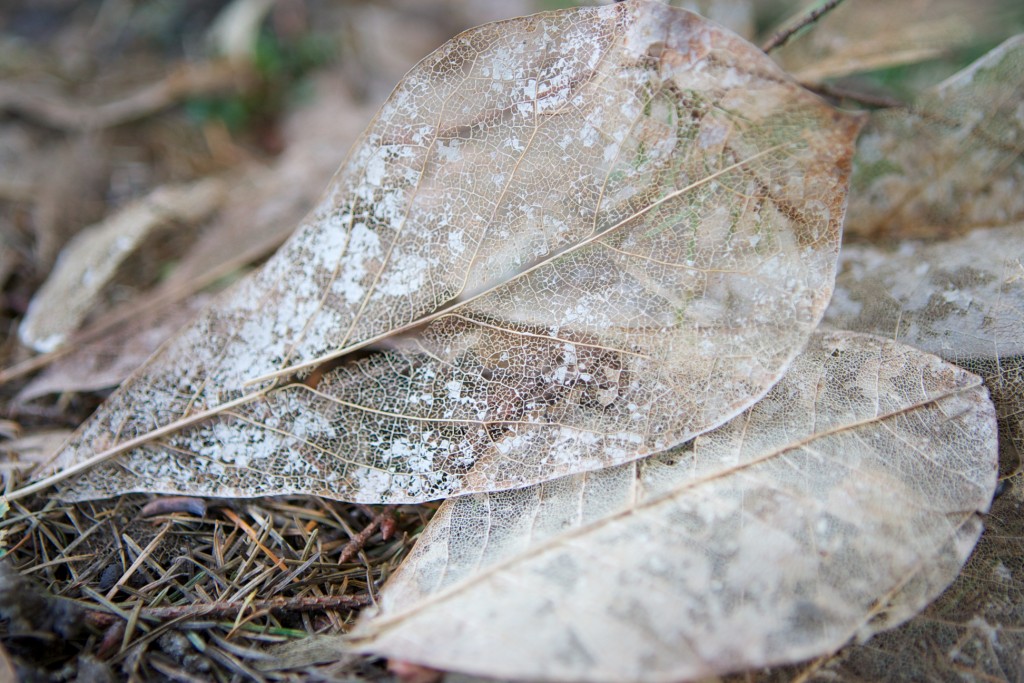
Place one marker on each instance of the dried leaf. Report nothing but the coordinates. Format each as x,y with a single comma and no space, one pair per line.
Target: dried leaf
735,15
837,506
954,161
868,35
962,300
32,449
973,632
106,361
91,260
566,241
68,192
235,31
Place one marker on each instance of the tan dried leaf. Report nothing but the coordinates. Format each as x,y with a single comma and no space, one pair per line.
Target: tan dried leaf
31,450
837,506
962,300
953,162
735,15
868,35
91,260
566,241
109,359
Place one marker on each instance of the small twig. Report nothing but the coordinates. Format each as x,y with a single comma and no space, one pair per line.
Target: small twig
383,520
31,365
784,34
839,92
222,610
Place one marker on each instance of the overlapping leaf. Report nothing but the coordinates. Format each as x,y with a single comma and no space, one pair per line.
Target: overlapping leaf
971,633
950,163
962,299
566,241
838,505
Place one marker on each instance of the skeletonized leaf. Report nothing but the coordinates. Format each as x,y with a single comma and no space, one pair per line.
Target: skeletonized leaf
974,632
837,506
953,162
566,241
962,300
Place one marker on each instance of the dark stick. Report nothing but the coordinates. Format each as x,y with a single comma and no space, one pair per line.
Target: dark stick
221,610
383,519
783,35
832,90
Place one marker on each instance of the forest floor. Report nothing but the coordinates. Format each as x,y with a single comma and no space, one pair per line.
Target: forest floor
105,104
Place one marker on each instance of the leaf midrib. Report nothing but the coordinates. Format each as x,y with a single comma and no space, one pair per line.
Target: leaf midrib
386,622
490,288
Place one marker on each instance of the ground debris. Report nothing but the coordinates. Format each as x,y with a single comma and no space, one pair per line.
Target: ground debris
28,610
194,598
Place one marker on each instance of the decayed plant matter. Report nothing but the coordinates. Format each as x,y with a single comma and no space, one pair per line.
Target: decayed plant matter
840,504
564,243
570,279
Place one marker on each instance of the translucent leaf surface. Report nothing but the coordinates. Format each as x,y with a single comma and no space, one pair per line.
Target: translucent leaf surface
565,242
777,537
974,632
953,161
962,300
